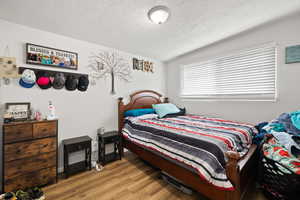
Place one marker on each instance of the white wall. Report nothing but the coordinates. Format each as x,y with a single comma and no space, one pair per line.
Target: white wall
80,113
284,32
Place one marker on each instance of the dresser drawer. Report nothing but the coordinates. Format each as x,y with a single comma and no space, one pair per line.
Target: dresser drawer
44,129
17,133
29,148
23,166
37,178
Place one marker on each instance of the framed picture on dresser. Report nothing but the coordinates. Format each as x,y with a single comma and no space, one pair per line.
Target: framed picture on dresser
19,111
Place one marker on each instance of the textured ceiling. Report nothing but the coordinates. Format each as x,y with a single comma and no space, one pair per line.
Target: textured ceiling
123,24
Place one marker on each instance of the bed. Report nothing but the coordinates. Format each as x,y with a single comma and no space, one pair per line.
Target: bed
239,167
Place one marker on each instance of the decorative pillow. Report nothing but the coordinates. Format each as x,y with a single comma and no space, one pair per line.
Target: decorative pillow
180,113
165,108
138,112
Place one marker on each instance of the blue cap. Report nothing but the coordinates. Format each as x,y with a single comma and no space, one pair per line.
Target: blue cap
26,85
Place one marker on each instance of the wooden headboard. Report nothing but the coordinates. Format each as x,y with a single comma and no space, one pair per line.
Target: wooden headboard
140,99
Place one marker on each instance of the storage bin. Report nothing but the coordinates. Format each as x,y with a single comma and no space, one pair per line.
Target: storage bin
278,184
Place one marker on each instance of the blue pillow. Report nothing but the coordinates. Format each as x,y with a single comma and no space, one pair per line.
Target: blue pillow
165,108
138,112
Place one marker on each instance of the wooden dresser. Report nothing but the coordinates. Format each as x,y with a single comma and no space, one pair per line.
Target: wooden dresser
29,154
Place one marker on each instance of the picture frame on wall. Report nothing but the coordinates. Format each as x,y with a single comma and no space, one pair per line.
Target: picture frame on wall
47,56
292,54
19,111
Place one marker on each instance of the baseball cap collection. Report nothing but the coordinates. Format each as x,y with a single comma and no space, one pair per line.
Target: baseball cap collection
58,81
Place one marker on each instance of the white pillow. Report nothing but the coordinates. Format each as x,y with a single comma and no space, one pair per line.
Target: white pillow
148,116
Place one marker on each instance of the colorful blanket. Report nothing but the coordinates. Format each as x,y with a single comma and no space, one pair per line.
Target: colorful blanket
198,142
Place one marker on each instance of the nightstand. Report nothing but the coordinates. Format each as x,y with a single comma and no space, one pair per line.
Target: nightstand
77,144
112,137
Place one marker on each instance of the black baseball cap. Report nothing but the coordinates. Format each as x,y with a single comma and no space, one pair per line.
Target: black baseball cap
71,83
59,81
83,83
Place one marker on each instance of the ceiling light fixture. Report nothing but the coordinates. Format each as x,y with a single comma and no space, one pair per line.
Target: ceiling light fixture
159,14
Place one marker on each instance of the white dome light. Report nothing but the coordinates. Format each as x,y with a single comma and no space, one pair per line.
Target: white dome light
159,14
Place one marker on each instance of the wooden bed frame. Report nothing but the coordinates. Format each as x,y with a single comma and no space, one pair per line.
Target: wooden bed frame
240,171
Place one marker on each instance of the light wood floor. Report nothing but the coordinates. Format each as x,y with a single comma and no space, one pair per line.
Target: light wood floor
129,179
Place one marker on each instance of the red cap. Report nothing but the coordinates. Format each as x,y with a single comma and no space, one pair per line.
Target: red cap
43,80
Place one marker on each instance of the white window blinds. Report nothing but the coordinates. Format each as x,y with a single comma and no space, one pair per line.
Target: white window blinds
248,74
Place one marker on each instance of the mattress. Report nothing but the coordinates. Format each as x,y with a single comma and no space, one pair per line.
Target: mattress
193,141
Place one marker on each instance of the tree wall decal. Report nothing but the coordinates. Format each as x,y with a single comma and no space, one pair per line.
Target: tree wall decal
105,64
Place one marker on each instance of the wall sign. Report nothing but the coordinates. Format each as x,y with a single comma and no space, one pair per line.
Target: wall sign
40,55
8,67
292,54
142,65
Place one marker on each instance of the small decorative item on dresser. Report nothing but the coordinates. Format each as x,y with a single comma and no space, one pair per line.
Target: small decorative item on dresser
111,137
18,111
51,109
75,145
38,115
7,117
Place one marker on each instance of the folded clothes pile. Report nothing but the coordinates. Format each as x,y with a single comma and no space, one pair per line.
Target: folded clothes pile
284,147
286,129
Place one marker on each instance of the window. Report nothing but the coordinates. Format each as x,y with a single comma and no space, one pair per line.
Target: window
246,75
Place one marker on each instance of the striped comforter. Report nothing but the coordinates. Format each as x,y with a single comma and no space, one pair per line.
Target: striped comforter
198,142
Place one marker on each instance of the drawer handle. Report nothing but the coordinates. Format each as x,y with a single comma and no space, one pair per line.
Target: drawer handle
18,151
18,132
44,129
